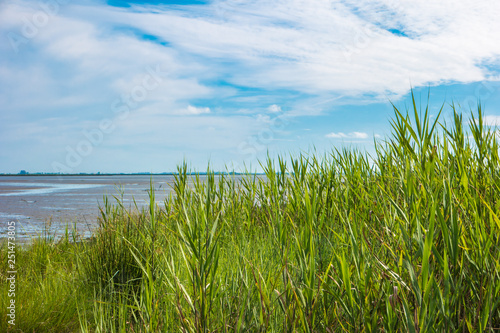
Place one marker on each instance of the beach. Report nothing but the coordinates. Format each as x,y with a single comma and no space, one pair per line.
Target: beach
50,203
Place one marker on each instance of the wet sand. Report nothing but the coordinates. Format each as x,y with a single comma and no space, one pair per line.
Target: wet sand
51,203
7,189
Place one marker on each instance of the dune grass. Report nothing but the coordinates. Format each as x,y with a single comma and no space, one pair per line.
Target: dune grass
406,240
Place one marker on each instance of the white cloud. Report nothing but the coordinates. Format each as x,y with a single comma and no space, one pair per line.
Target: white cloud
352,135
265,119
335,135
274,108
318,46
193,110
322,48
359,135
491,120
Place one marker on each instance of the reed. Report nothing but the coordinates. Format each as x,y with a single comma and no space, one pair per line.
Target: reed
406,239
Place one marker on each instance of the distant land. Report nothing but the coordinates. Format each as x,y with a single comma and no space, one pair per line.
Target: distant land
25,173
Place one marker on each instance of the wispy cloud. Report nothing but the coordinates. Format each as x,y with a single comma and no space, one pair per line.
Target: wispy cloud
347,47
193,110
491,120
318,48
352,135
274,108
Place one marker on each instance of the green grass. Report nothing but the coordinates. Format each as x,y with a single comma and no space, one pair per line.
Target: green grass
406,240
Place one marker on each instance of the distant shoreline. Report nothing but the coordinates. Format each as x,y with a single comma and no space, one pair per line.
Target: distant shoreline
127,174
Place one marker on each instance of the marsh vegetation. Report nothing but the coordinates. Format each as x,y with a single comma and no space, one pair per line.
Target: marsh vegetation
404,240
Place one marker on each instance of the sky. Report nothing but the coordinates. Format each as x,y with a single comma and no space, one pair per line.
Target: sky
141,86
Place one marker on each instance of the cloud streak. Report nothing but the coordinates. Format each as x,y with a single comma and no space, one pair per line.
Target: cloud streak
491,120
193,110
352,135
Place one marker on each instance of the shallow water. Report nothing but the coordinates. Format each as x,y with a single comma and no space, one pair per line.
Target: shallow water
51,203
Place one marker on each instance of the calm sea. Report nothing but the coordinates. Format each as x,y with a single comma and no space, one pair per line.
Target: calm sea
52,202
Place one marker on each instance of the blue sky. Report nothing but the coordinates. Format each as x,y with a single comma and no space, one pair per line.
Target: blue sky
123,86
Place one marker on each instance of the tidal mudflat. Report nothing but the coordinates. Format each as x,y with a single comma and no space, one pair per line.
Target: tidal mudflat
50,203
